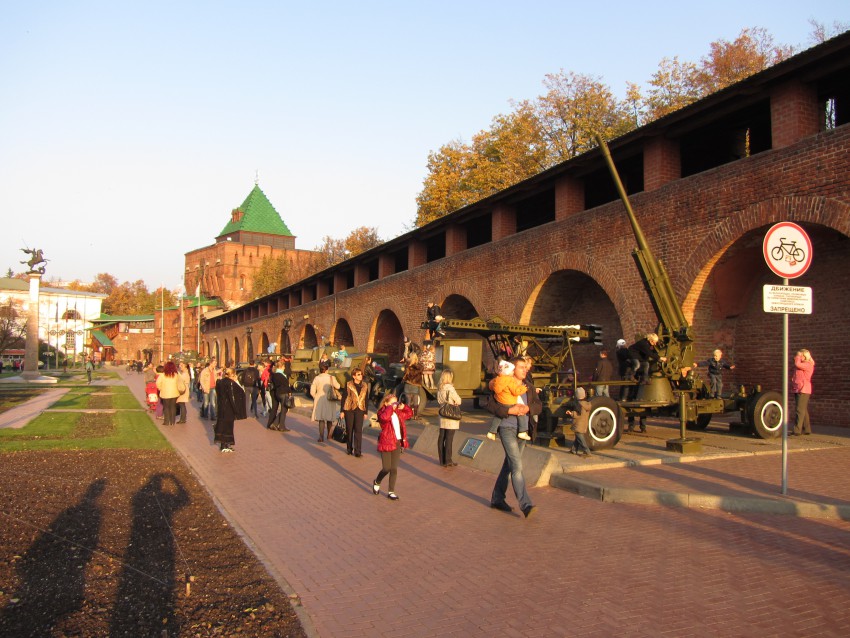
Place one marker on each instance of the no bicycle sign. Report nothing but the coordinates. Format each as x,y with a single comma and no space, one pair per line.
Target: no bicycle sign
787,250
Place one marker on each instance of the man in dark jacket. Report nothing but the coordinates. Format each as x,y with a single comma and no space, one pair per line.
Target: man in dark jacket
249,379
433,315
280,390
643,353
604,372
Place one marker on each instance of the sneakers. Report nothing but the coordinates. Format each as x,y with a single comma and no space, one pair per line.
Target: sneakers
376,488
392,496
492,436
524,436
226,449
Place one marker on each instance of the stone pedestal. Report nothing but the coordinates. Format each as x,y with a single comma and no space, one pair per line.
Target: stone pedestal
685,446
30,372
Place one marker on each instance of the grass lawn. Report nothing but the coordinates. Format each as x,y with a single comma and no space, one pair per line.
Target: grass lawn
129,427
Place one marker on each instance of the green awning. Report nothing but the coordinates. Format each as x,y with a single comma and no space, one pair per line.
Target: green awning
102,339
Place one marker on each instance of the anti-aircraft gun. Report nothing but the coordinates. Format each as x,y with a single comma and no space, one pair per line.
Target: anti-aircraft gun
674,387
551,349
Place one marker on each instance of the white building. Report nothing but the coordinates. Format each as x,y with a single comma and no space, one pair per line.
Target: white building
64,316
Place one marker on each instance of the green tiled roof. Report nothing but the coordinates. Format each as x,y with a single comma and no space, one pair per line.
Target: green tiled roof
258,216
102,338
105,318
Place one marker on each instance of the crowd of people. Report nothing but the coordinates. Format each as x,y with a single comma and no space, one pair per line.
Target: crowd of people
340,410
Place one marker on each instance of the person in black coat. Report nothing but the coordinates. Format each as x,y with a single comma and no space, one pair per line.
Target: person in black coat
231,407
280,390
643,353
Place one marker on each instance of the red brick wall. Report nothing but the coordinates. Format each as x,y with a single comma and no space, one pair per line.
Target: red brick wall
707,229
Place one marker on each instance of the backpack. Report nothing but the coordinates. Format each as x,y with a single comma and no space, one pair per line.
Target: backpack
249,377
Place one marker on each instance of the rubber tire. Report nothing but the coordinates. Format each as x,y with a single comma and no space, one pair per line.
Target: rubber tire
701,423
605,423
764,414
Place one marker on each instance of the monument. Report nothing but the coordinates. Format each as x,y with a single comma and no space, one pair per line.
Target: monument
36,270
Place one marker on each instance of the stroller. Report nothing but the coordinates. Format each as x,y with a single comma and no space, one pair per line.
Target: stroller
152,396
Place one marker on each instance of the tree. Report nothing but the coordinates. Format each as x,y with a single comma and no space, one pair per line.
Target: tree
573,110
445,187
671,87
728,62
362,239
103,283
13,324
273,274
821,32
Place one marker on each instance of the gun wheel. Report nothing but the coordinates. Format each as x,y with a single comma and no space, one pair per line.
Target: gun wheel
764,413
604,424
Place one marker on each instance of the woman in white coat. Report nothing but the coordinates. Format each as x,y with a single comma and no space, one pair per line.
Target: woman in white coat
325,411
446,393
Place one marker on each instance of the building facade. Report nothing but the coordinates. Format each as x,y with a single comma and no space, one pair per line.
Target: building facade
254,232
65,317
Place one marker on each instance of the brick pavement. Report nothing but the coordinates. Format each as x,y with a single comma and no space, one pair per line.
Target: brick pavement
440,562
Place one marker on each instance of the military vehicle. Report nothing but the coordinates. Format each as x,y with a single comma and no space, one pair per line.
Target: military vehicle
303,361
551,349
673,390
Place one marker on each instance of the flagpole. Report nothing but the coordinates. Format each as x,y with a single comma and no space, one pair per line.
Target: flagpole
161,322
182,301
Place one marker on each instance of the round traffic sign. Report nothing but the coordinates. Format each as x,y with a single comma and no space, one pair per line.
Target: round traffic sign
787,250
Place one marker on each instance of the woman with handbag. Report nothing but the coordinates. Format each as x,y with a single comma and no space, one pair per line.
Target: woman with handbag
170,386
447,396
354,407
231,407
391,441
325,410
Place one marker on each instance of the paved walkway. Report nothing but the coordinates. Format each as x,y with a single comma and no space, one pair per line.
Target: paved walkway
440,562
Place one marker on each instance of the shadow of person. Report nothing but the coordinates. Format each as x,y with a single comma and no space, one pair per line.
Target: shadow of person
144,603
52,571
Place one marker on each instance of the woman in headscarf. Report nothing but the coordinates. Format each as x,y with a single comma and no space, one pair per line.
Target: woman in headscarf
231,407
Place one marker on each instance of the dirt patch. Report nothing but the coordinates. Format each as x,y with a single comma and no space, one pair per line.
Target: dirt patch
102,543
13,397
93,425
100,402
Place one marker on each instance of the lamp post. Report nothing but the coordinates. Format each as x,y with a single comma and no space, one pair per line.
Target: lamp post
69,334
287,324
249,345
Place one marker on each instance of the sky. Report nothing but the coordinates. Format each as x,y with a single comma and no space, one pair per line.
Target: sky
130,130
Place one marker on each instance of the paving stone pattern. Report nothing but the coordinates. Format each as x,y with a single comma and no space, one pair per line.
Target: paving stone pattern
441,562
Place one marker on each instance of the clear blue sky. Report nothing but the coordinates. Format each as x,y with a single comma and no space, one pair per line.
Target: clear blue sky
129,130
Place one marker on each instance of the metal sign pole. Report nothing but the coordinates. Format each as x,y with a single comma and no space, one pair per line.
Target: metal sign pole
785,398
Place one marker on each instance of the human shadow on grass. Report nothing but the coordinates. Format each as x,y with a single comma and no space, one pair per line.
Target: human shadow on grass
144,602
52,570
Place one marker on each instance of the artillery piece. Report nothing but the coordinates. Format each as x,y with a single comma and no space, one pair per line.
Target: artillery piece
673,390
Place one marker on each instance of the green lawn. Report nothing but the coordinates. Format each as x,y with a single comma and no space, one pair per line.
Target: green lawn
128,428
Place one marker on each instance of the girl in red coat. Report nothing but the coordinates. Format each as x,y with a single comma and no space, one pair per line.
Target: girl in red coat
391,441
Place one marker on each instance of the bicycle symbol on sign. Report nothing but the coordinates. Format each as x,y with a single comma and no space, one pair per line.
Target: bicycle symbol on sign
788,251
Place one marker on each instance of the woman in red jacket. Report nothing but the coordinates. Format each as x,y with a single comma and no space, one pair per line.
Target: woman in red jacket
391,441
801,386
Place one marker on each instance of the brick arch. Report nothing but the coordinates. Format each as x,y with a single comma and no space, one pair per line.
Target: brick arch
386,333
584,264
458,306
341,332
813,210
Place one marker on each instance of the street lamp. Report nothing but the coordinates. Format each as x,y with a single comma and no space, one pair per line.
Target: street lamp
249,346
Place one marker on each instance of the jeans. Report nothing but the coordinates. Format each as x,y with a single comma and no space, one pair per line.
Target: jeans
354,431
580,444
511,467
716,382
445,442
208,405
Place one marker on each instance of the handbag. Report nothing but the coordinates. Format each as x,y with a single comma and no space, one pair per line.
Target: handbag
289,401
339,434
450,411
333,394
